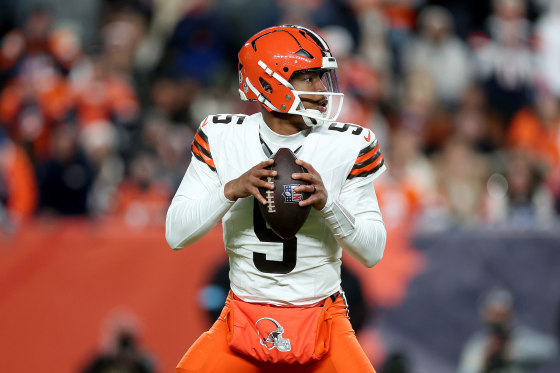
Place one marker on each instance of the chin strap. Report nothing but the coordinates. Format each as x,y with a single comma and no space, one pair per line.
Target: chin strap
311,122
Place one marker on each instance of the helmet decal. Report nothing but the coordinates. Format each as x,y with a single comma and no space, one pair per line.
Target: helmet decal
270,334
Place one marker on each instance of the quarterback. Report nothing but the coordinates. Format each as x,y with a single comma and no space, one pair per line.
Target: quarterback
277,316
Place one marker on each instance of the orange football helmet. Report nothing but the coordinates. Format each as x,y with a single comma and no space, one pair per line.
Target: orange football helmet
268,60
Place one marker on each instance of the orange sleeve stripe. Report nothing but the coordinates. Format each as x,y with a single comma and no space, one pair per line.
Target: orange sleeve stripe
201,142
368,167
367,155
209,161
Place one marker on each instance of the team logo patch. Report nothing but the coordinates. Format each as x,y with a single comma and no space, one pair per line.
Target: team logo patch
290,195
270,334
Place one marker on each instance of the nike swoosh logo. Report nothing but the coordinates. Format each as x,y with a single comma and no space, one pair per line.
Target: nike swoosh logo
368,137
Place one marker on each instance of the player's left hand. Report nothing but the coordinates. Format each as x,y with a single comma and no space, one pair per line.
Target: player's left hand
318,198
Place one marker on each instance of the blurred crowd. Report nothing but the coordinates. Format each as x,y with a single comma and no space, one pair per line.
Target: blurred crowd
99,101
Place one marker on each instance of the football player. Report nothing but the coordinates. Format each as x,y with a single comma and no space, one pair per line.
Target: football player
291,72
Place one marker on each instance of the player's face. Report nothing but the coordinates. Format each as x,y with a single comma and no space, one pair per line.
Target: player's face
310,81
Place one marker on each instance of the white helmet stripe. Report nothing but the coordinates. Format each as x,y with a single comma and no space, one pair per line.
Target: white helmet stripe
275,75
323,42
315,35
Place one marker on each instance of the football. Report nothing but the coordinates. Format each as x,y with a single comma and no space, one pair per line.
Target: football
282,211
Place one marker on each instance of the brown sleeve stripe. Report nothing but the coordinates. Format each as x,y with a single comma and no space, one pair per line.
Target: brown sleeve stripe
372,159
201,143
369,169
369,160
203,158
201,149
367,156
367,149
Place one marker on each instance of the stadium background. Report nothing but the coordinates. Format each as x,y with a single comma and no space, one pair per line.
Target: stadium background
99,101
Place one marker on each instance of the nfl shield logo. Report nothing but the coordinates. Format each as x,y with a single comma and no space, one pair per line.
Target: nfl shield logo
290,195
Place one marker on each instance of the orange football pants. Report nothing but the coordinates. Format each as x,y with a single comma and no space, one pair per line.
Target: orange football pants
211,353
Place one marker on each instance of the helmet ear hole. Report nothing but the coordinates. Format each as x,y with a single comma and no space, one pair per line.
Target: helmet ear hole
265,85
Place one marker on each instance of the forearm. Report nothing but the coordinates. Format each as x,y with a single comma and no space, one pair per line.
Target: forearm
362,237
188,220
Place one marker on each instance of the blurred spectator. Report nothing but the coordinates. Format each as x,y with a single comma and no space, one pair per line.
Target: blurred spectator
529,202
366,91
65,48
473,121
520,199
504,344
103,94
506,61
121,37
11,51
40,37
199,43
165,15
400,16
409,185
141,198
33,103
99,140
83,15
461,173
27,42
417,103
169,142
18,186
536,129
124,357
37,27
173,100
440,53
373,44
547,33
65,181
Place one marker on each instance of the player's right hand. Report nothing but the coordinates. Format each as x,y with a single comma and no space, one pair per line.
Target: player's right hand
249,183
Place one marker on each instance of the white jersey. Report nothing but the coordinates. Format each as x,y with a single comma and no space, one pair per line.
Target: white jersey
263,268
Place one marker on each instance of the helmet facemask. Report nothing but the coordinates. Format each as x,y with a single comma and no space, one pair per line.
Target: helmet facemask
314,117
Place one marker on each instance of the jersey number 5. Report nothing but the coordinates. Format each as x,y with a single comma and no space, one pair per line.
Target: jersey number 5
264,234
